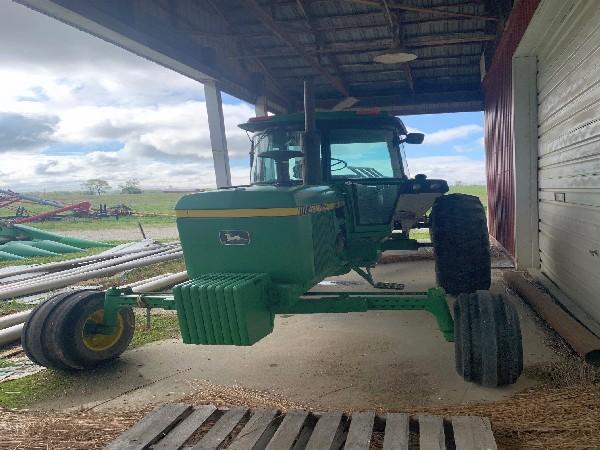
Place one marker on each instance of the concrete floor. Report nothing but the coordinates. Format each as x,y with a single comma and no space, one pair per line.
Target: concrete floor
377,359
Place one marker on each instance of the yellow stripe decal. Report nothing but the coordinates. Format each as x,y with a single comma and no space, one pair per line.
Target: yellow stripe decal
262,212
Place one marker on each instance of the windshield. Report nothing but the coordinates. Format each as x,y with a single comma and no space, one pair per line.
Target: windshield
364,153
263,169
355,153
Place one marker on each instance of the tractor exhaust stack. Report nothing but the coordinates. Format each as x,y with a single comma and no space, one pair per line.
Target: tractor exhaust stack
310,139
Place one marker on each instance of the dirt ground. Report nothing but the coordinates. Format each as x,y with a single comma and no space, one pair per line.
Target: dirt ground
372,360
384,361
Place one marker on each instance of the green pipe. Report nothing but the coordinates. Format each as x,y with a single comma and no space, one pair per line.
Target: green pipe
5,256
35,233
53,246
22,249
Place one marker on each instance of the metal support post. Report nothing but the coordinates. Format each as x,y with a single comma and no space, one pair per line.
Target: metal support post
218,140
260,107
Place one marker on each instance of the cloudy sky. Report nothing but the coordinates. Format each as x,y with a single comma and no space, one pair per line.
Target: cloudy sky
73,107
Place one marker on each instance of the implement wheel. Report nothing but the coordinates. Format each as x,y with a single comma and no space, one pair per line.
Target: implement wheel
487,339
61,332
461,244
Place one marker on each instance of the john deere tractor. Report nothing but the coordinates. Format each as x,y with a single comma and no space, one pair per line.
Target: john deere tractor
328,193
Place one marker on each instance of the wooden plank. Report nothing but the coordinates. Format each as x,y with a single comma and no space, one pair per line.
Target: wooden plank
324,432
361,429
251,433
396,432
182,432
288,431
431,433
473,433
150,427
221,429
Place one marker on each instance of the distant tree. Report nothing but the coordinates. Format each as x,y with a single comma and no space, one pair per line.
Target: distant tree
96,186
131,186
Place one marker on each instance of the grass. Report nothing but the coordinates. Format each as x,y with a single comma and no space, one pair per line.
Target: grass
39,386
163,326
49,384
12,306
156,209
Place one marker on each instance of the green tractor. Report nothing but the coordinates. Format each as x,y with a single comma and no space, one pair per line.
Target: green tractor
328,193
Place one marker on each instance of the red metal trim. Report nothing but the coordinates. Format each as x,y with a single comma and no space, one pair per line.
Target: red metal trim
497,87
79,207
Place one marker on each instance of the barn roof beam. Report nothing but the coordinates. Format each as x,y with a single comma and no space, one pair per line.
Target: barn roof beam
372,45
438,11
268,75
319,41
277,30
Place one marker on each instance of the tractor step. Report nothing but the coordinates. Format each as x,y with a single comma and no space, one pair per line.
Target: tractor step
178,425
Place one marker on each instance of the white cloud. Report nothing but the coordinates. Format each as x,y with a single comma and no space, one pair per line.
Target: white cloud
449,168
451,134
56,95
470,147
67,89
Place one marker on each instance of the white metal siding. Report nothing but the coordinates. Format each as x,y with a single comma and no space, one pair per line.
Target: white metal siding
568,84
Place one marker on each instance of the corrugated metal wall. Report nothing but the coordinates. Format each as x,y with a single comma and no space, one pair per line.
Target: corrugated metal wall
569,155
497,87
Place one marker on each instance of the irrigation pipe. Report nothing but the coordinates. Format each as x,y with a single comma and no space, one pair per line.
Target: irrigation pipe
13,319
82,260
10,334
163,283
41,286
89,268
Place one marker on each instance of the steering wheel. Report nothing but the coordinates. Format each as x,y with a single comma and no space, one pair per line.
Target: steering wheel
335,162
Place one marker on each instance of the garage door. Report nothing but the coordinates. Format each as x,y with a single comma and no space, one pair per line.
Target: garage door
569,155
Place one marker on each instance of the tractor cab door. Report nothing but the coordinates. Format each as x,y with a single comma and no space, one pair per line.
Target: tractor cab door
366,165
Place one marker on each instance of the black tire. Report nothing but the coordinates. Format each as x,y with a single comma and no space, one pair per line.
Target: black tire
32,339
54,334
461,244
487,339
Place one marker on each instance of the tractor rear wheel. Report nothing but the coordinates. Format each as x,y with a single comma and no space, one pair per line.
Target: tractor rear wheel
60,332
461,244
487,339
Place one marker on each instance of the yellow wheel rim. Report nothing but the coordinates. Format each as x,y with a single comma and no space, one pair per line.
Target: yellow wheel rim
101,342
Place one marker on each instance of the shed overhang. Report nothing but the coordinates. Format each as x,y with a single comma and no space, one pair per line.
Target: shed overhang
264,49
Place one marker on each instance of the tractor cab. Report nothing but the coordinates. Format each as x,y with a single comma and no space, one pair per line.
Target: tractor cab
352,146
361,157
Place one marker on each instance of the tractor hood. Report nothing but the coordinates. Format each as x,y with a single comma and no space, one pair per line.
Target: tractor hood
232,201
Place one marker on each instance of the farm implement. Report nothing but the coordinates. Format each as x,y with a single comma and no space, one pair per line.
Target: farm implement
328,194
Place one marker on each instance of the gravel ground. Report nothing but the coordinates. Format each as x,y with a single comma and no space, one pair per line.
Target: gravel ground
124,234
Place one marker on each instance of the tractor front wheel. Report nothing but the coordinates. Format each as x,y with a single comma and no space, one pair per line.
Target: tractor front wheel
62,333
461,244
487,339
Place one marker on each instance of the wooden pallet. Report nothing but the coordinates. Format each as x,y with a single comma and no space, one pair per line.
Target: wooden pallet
175,426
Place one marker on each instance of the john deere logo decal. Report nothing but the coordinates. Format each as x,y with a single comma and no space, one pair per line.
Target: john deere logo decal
234,237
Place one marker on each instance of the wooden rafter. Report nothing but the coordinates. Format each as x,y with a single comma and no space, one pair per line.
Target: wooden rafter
276,29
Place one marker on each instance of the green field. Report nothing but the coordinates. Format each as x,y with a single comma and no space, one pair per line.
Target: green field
155,208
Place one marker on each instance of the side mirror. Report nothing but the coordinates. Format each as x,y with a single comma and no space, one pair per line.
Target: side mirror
414,138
